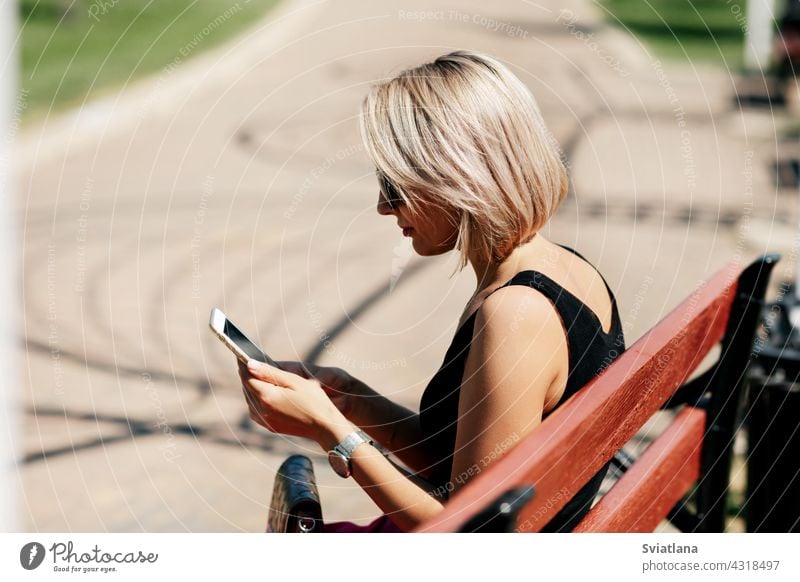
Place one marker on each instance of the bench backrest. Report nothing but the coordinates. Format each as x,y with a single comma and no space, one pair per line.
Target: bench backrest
584,433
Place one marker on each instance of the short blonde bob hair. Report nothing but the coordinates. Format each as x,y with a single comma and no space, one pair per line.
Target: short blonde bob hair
464,134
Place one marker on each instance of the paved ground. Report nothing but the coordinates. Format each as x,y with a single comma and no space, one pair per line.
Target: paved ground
242,184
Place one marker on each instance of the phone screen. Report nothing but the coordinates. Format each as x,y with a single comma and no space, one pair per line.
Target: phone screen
245,344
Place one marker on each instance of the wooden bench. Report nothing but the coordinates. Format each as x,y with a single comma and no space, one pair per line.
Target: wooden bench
684,473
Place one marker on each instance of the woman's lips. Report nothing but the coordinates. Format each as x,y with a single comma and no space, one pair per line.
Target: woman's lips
407,231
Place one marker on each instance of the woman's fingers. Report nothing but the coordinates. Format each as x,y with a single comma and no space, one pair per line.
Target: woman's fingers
270,374
293,367
251,400
283,402
243,373
257,400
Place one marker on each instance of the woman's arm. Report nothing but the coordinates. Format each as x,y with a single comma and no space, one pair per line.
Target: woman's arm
286,403
407,500
394,426
518,348
518,351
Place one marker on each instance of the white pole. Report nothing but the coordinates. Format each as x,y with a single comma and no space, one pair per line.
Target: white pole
9,382
758,34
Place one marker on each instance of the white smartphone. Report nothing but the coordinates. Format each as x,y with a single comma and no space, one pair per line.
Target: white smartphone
236,341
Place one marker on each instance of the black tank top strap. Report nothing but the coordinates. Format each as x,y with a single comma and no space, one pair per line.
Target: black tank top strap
616,324
576,316
567,304
580,256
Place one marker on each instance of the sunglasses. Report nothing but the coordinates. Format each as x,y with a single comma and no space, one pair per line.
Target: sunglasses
390,194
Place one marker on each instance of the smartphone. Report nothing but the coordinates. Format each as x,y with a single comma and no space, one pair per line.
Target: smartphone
236,341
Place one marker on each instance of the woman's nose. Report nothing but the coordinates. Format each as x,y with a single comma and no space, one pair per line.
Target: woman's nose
383,207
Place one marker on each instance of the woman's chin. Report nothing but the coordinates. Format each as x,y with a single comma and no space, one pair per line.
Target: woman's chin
421,249
425,250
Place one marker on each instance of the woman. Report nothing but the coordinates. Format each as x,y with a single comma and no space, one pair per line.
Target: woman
464,162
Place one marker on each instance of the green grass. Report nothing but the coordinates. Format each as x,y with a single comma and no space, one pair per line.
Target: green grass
101,44
708,31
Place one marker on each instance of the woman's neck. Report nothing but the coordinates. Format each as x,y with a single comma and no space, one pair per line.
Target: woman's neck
491,274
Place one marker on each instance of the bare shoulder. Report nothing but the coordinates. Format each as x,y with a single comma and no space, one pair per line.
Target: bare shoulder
518,354
520,342
519,308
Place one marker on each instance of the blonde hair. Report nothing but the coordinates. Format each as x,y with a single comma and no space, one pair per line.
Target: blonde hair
464,134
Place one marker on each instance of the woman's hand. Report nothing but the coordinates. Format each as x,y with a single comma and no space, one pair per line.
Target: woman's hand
335,382
290,403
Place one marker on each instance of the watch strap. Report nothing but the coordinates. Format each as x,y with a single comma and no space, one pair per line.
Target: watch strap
351,441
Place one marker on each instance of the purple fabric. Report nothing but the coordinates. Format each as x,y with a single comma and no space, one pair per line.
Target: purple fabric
380,525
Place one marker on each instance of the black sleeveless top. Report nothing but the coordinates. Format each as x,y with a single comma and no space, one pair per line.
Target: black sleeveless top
590,351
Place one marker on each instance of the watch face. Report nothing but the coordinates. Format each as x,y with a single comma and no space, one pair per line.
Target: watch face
339,464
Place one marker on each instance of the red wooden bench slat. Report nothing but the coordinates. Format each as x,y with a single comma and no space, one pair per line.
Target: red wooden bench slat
644,495
571,445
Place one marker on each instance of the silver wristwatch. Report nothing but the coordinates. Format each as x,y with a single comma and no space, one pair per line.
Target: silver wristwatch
339,457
